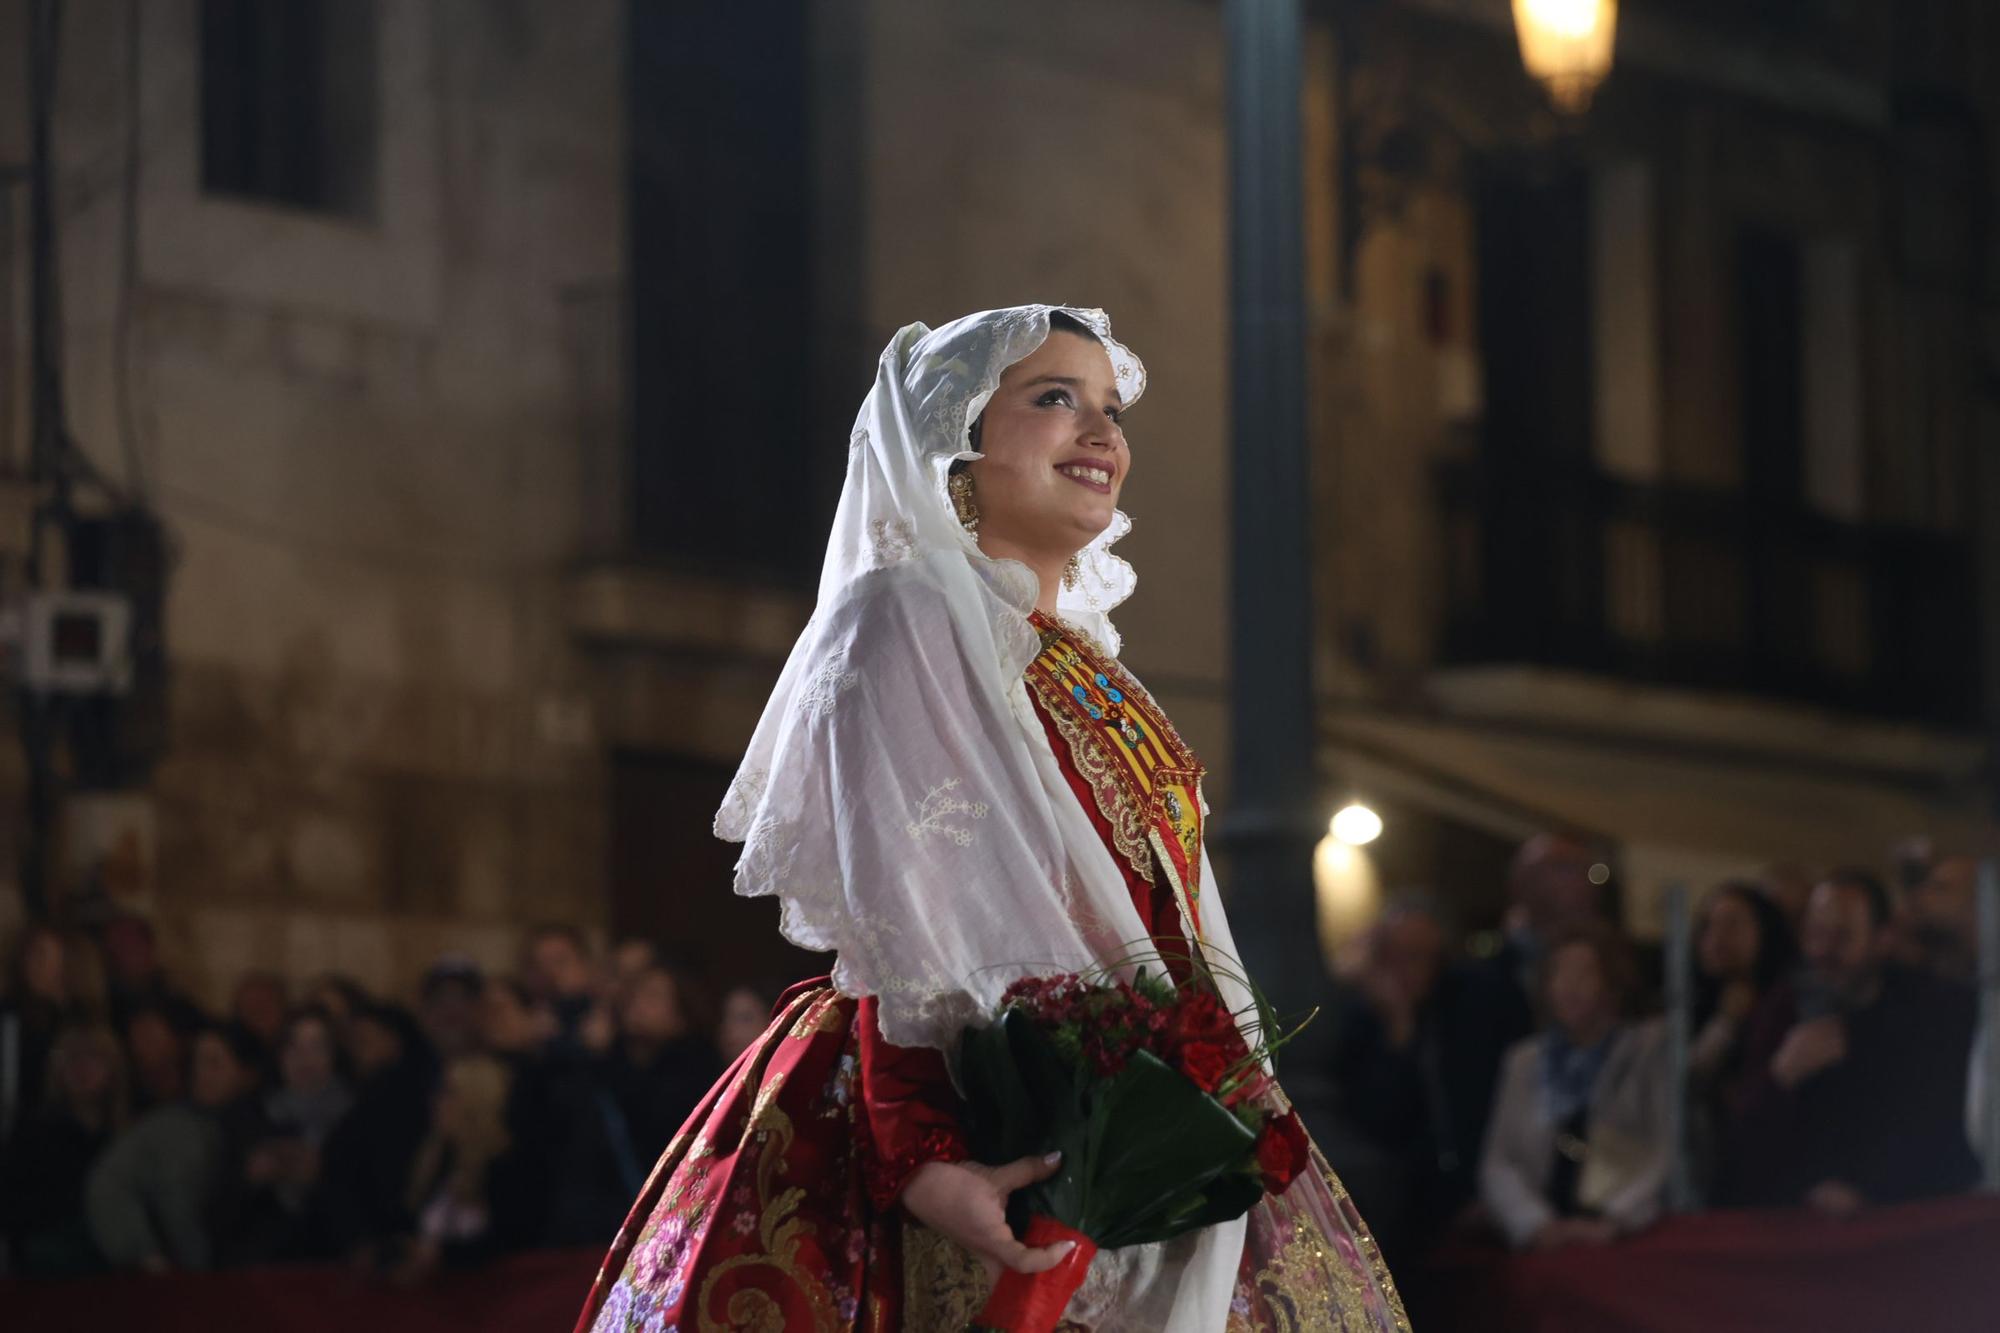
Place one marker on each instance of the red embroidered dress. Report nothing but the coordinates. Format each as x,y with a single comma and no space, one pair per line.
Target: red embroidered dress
774,1207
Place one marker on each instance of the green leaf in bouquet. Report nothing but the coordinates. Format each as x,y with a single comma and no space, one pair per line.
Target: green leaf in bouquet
1157,1143
1003,1122
1057,1089
1227,1197
1024,1099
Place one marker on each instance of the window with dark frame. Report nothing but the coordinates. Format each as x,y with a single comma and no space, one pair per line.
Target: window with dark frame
724,463
289,103
1760,590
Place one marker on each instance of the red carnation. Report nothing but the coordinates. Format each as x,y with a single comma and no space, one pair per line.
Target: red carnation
1281,1151
1205,1062
1201,1015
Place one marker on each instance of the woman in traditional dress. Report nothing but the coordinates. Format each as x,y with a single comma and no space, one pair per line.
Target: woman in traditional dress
956,784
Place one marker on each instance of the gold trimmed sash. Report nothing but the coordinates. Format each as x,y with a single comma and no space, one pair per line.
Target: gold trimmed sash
1146,780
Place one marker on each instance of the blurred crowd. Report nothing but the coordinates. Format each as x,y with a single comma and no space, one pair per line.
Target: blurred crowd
1521,1084
139,1132
1516,1084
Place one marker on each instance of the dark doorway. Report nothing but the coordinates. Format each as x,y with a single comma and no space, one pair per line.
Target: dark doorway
671,877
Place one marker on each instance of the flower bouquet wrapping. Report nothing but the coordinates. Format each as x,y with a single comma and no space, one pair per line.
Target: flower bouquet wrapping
1156,1101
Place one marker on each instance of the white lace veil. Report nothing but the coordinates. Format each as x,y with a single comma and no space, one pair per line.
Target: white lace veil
899,796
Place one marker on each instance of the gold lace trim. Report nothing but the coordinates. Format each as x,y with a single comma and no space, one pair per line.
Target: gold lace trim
1103,772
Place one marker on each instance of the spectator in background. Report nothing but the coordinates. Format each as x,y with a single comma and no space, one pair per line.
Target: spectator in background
1743,947
54,980
300,1114
664,1060
136,979
615,1115
365,1163
340,998
313,1093
629,961
259,1004
44,1167
556,966
1789,885
1419,1044
745,1012
469,1192
1855,1084
511,1023
1549,890
165,1189
516,1031
1940,924
158,1046
449,1006
1578,1148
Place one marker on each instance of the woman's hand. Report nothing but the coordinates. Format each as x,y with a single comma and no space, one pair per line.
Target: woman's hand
967,1202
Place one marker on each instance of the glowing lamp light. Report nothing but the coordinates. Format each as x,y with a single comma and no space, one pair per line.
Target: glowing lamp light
1566,45
1348,894
1356,825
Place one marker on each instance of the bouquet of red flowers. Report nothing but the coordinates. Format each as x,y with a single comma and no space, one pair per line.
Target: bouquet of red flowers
1153,1096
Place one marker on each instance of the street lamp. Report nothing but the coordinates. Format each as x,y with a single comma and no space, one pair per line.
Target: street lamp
1356,825
1566,45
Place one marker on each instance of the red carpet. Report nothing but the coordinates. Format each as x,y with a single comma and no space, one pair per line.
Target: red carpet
1924,1268
1929,1268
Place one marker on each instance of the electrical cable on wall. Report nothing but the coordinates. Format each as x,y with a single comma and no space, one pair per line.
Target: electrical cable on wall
128,258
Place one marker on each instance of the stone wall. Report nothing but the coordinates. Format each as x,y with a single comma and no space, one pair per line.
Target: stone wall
363,436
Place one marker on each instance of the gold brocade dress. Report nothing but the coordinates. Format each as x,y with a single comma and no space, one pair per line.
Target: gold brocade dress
773,1207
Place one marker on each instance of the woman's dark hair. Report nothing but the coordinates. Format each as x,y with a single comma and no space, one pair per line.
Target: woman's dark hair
1614,963
1777,947
242,1044
1059,322
1881,907
698,1001
352,993
313,1013
398,1022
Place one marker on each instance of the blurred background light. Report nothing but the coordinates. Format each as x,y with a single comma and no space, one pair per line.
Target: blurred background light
1356,825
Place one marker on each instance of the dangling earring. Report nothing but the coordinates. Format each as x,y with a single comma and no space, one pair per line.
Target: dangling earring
960,488
1073,574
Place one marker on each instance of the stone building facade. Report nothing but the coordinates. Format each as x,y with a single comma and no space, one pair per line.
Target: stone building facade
478,588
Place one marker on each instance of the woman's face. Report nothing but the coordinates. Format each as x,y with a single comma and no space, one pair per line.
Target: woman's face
42,967
1579,999
153,1042
466,1096
307,1059
1730,939
1055,454
744,1013
653,1008
218,1078
260,1006
86,1074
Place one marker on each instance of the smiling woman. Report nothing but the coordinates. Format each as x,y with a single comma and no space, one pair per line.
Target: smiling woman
956,784
1055,456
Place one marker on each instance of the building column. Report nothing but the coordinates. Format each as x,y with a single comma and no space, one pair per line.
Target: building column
1271,826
